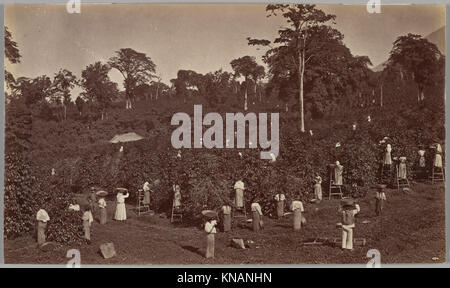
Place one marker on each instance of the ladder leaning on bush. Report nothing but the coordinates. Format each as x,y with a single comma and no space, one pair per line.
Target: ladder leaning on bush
141,207
176,216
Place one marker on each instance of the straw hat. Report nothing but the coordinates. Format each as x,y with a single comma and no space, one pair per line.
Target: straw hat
348,203
209,213
239,185
101,193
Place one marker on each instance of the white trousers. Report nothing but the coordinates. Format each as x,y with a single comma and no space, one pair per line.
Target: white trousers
347,238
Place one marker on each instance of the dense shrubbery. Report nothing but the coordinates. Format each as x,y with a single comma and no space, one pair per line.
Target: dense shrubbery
205,176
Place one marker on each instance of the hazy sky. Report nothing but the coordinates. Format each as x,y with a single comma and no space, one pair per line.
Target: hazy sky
203,38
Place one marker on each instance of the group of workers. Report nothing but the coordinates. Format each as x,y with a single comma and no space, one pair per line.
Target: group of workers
348,208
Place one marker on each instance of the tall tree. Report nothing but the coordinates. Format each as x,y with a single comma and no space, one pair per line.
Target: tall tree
98,88
419,57
303,39
63,82
136,69
247,67
79,102
13,56
257,74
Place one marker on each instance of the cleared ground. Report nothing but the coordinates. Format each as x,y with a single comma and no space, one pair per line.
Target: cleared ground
413,232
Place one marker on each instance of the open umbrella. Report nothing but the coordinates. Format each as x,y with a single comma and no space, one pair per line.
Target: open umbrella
127,137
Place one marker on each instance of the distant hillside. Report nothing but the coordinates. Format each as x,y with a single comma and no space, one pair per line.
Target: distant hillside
437,37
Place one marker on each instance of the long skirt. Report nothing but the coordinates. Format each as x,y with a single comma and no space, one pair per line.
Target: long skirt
146,200
226,222
239,201
41,226
121,212
318,191
87,229
209,246
297,219
103,216
379,203
438,161
402,171
280,209
256,221
347,238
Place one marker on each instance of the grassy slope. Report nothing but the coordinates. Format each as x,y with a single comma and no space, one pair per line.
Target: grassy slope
414,232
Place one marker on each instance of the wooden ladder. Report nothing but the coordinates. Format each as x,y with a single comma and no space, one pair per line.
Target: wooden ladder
334,187
141,207
176,216
437,175
401,182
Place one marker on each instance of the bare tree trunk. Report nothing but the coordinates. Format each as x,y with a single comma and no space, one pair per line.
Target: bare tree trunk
381,96
301,76
245,95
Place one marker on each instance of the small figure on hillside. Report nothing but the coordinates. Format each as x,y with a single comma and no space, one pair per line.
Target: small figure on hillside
42,218
121,149
311,133
280,199
297,208
210,229
257,215
239,195
179,154
369,119
354,127
146,189
402,168
226,218
240,154
53,172
103,212
121,211
421,153
338,171
438,156
87,221
421,164
348,209
176,196
380,198
317,189
92,199
387,161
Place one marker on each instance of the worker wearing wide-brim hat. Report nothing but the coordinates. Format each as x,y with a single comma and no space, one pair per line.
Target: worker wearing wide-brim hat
121,211
210,229
41,218
257,215
348,209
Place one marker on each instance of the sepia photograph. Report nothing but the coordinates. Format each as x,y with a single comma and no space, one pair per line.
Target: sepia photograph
224,134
